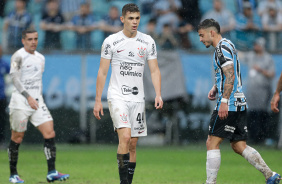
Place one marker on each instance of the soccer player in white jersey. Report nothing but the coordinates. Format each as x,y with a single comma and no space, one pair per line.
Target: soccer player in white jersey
228,119
27,104
127,51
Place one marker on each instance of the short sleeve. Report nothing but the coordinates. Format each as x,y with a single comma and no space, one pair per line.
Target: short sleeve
225,55
106,50
16,63
152,51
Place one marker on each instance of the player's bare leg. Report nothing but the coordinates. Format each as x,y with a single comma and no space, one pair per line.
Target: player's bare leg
13,153
254,158
132,160
124,136
213,158
48,133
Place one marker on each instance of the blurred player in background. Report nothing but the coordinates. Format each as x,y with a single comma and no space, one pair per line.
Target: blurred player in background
4,70
127,51
229,117
27,104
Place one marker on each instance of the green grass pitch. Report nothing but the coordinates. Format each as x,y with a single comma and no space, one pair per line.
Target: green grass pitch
96,164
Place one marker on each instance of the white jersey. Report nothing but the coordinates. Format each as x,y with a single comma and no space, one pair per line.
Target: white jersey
31,68
128,57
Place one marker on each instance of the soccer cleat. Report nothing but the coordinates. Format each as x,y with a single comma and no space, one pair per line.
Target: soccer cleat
55,175
15,179
274,179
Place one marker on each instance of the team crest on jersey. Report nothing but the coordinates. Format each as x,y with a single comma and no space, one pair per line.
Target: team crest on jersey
123,118
141,52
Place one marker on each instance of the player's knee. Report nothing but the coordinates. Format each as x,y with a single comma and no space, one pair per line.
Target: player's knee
237,149
49,134
126,139
17,139
208,144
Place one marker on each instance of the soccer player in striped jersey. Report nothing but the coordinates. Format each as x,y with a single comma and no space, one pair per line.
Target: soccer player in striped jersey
228,120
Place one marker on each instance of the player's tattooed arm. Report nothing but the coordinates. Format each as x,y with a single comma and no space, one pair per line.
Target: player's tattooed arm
16,65
229,80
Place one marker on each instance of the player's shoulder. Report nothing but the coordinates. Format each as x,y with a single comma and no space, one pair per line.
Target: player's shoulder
144,36
226,42
38,54
226,45
115,38
19,53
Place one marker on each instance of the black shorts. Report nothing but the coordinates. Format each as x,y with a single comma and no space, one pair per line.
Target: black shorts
233,128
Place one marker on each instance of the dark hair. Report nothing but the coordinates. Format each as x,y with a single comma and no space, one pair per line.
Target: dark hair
207,23
131,7
24,32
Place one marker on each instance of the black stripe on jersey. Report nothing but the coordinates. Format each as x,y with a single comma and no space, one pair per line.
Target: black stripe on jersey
220,55
227,49
239,107
237,63
221,72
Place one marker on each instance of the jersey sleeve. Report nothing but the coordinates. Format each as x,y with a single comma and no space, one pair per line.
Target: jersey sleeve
106,50
225,55
16,63
152,51
15,72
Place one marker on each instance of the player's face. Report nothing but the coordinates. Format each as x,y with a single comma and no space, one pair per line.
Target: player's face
131,22
205,37
30,42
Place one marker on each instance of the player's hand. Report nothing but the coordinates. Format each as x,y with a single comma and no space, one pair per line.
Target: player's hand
32,103
158,102
212,94
274,102
98,107
223,111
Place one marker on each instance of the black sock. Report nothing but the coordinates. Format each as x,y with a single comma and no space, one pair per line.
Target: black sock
50,153
122,160
131,169
13,152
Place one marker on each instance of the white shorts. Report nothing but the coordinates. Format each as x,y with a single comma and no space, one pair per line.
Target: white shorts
130,115
20,117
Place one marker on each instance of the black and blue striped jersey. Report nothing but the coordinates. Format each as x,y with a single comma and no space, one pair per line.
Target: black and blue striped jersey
225,54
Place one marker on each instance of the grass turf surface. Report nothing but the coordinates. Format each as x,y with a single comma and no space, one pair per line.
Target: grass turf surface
96,164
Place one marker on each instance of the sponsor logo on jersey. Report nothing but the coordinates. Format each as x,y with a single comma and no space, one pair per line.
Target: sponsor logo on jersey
141,52
123,118
131,54
153,49
236,103
106,49
126,90
118,41
126,68
142,41
219,54
228,128
140,132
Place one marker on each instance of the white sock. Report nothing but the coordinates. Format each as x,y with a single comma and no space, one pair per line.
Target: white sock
254,158
212,165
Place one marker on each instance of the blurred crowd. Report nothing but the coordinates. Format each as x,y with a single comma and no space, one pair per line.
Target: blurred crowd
83,24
